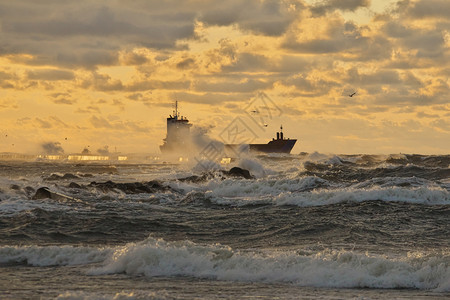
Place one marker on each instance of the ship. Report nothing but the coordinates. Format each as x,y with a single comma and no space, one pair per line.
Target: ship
178,139
276,145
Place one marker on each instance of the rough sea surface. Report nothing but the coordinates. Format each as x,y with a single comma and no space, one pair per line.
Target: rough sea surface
305,227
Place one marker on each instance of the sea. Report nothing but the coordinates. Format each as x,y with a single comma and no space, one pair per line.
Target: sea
303,226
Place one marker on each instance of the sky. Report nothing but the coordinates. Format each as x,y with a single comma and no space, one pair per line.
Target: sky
104,74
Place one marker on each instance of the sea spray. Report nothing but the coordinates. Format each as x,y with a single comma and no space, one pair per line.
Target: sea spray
328,268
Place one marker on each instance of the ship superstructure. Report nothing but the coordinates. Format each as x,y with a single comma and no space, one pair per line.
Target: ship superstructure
178,133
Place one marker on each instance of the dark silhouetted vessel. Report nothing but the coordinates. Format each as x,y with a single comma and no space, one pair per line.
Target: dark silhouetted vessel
178,139
278,145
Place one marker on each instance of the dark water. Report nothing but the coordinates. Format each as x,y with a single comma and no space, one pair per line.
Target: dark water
307,226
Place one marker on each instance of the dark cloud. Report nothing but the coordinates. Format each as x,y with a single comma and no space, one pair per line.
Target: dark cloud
50,75
132,58
422,114
50,122
89,34
227,86
117,124
63,100
99,122
442,124
43,124
267,17
210,98
428,43
309,87
344,39
332,5
7,80
397,30
380,77
88,110
102,82
135,96
88,59
248,62
186,63
158,84
429,9
5,76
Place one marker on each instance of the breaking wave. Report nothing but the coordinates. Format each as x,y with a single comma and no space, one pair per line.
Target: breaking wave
42,256
343,269
328,268
314,191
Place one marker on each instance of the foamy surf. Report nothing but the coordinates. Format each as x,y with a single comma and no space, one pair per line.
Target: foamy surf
337,269
328,268
313,191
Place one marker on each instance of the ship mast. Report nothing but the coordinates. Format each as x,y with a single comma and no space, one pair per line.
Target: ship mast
175,112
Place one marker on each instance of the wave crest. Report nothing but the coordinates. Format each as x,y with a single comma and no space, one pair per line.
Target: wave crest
337,269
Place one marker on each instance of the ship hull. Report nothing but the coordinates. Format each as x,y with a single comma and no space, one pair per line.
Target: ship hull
275,146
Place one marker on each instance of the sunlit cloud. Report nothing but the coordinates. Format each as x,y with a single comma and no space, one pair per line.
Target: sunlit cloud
86,62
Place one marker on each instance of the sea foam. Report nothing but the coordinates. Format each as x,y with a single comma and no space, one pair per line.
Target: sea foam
337,269
328,268
314,191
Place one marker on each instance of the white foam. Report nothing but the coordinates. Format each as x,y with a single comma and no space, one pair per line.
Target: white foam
329,268
421,195
254,167
314,191
52,255
337,269
244,192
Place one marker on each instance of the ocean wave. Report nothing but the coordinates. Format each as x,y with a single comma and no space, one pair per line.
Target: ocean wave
332,269
421,195
16,205
328,268
431,161
314,191
42,256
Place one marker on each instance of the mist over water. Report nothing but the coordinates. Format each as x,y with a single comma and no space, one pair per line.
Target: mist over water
313,224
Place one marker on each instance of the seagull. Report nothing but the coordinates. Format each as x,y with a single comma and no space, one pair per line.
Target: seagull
265,125
352,94
255,111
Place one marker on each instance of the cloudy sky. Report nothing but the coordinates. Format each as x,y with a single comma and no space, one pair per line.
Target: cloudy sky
106,72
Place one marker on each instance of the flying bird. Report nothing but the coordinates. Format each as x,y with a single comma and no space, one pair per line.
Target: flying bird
265,125
352,94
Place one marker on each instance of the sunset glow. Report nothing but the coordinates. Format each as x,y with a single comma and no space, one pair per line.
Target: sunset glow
105,74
